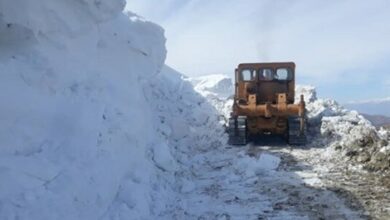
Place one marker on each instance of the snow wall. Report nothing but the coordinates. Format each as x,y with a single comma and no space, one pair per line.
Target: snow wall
89,114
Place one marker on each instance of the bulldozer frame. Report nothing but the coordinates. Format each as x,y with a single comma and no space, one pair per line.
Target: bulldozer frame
264,104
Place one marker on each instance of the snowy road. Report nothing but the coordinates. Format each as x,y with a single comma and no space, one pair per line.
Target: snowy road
262,181
361,190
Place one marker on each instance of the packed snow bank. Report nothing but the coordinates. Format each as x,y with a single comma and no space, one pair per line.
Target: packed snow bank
348,133
189,125
79,138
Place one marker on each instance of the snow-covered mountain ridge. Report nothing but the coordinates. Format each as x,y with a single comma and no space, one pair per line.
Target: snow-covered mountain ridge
347,133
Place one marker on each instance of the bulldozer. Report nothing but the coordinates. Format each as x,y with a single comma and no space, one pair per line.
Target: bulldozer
264,104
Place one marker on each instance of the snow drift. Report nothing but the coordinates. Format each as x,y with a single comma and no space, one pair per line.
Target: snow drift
347,133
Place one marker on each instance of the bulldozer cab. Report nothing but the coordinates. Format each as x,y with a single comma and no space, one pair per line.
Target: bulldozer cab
265,80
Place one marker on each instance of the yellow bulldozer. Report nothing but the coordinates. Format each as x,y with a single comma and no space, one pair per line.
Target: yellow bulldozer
264,104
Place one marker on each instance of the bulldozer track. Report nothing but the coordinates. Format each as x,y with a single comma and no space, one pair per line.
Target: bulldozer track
295,136
237,130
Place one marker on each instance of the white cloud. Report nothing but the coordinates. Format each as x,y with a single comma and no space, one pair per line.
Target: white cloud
325,38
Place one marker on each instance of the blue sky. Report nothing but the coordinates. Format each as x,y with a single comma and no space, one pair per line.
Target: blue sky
340,46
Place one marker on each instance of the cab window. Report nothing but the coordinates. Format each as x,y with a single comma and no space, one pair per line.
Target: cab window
248,75
283,74
266,74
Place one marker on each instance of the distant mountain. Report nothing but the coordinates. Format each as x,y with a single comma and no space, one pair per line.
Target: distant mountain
371,107
217,85
378,120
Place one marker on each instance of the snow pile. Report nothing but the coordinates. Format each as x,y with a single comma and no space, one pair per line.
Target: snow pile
384,133
330,124
309,93
81,136
345,131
